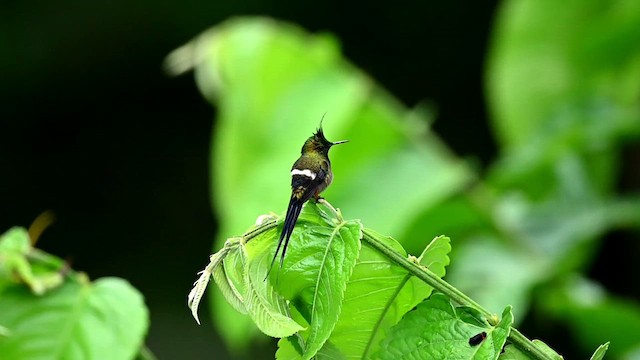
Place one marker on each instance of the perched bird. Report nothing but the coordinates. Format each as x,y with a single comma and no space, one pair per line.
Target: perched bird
310,175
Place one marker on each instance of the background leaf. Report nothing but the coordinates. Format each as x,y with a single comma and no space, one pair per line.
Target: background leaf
105,319
590,312
570,60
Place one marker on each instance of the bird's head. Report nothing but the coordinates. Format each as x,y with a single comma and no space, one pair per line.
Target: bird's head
319,143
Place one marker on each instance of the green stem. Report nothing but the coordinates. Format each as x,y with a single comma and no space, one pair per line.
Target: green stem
259,229
426,275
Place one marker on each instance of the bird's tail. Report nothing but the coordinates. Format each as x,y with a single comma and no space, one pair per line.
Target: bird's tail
295,206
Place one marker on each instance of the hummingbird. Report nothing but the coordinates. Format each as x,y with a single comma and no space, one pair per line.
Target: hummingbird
310,175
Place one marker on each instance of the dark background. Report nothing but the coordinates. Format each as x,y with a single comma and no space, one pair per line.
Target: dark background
92,129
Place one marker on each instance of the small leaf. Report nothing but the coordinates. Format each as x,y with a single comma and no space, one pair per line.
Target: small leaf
547,350
106,319
287,349
502,330
15,241
600,351
20,262
437,330
513,353
435,255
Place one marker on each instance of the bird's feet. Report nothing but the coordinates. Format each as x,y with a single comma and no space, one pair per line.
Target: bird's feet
336,212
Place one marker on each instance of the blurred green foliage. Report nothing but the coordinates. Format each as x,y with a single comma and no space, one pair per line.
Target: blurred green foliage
563,84
51,312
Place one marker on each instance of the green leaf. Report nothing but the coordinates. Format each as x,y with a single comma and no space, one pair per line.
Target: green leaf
379,293
513,353
228,289
600,351
216,270
437,330
267,308
15,241
20,262
329,352
318,265
199,287
105,319
501,331
271,82
436,255
287,349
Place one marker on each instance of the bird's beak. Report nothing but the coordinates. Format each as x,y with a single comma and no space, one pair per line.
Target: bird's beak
340,142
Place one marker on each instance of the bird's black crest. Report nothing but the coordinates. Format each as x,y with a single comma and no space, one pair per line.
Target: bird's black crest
319,136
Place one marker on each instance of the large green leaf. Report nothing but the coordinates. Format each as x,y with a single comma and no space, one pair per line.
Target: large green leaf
105,319
318,265
378,294
271,83
438,330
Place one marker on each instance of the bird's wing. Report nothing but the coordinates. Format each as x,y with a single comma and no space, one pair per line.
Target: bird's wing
307,181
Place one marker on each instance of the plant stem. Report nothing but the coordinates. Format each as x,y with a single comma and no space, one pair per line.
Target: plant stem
426,275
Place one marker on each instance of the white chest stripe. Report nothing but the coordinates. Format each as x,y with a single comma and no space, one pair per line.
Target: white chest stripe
305,172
